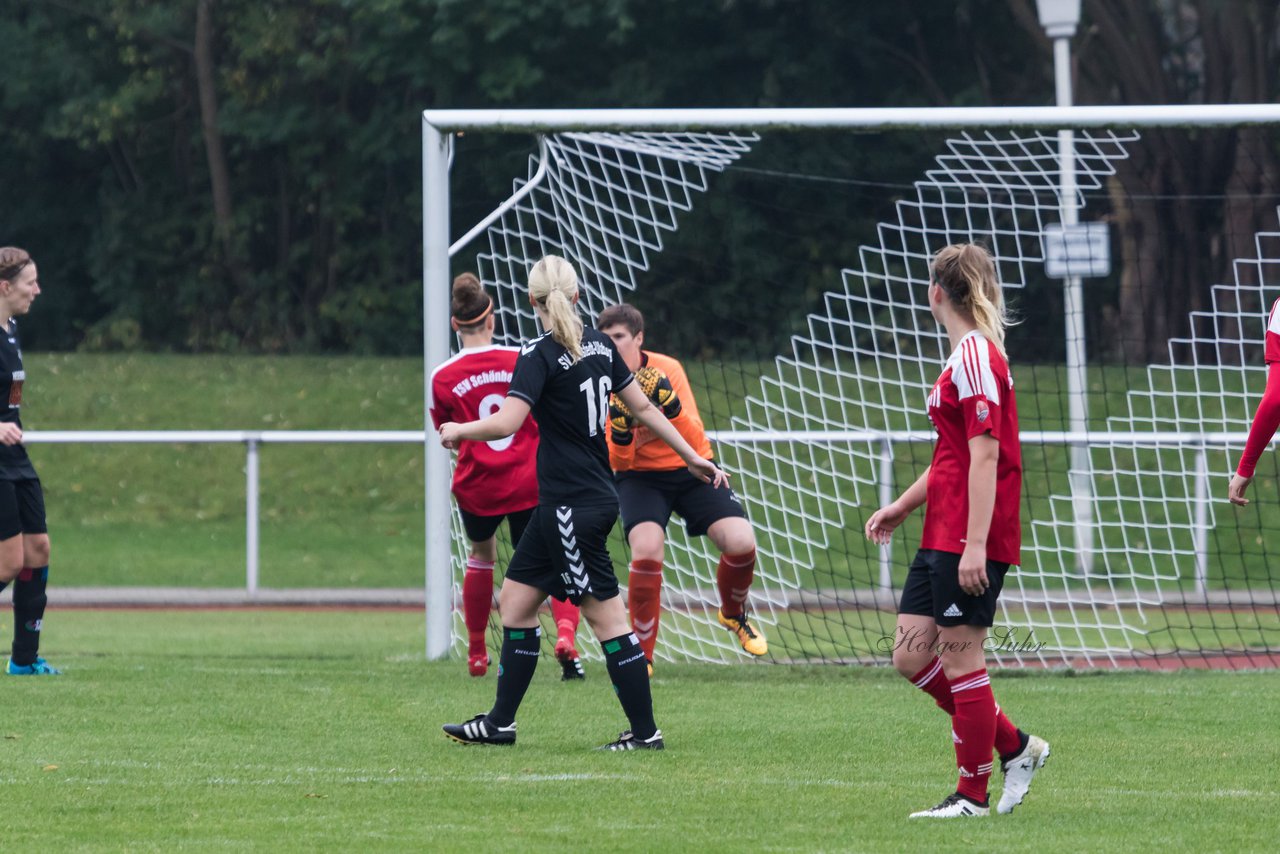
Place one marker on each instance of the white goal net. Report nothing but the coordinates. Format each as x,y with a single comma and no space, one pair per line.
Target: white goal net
832,425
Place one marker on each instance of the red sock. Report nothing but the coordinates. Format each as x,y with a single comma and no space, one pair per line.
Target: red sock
566,615
477,599
1008,738
733,577
644,601
933,682
974,730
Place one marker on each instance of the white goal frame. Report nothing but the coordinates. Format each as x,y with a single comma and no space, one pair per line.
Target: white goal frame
438,127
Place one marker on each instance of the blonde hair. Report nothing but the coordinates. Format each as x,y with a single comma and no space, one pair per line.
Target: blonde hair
967,273
553,287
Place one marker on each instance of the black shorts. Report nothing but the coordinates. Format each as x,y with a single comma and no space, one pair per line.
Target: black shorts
564,552
933,590
21,508
651,496
481,528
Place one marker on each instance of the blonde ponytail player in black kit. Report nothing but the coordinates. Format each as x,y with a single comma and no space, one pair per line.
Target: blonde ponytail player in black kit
564,377
24,537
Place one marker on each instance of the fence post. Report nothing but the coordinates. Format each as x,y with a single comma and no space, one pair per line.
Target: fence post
884,485
251,516
1200,527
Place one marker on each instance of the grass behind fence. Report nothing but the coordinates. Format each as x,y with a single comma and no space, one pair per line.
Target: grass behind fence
351,515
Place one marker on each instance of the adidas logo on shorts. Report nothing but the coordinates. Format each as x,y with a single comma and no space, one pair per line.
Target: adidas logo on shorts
953,611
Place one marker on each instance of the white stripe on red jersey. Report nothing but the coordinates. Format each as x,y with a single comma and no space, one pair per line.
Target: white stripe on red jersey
971,369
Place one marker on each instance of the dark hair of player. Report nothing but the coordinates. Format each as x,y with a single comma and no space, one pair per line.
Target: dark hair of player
12,261
470,305
622,314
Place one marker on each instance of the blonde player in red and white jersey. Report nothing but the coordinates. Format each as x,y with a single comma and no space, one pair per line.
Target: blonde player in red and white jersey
492,480
1267,417
972,535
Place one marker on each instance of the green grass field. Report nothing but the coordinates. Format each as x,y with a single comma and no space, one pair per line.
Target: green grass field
319,731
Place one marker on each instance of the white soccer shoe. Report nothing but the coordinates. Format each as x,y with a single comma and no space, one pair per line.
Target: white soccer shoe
955,806
1018,772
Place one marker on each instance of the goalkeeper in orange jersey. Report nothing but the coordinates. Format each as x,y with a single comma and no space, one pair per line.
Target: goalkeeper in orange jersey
653,482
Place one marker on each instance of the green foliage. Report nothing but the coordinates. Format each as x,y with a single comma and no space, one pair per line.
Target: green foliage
317,106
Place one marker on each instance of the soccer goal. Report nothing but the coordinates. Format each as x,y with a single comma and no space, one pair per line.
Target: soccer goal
1136,376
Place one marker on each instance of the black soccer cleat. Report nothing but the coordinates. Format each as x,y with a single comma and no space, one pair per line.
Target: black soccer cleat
956,805
478,730
627,741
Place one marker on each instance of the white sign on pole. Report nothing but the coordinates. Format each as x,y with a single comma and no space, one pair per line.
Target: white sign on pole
1082,250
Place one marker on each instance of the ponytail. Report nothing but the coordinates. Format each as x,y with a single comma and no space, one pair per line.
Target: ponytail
553,287
967,273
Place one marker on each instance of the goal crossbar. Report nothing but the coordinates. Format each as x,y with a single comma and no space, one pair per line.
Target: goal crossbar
862,118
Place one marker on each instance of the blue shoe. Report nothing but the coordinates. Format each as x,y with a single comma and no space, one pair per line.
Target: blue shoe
39,667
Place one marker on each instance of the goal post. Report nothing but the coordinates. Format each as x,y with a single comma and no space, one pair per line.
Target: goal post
674,149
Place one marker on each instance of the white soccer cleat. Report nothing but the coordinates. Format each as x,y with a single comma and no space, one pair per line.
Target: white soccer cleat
1018,772
955,806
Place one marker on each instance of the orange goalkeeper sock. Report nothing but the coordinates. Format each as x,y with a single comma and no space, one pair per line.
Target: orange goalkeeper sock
644,601
733,577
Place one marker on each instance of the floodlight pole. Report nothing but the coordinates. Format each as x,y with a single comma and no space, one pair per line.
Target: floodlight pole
435,349
1059,19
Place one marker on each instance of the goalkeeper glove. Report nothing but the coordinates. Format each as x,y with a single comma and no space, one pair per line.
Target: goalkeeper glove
621,423
657,388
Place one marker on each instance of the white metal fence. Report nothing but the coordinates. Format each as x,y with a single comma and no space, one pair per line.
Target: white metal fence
252,440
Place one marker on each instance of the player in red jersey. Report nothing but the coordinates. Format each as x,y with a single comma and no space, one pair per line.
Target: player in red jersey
492,480
1267,417
972,535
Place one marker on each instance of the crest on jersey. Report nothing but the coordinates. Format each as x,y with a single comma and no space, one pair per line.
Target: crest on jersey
981,410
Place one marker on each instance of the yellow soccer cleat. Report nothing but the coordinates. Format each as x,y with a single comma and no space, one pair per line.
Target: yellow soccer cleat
752,641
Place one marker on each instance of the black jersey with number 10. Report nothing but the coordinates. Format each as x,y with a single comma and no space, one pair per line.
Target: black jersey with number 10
14,462
570,402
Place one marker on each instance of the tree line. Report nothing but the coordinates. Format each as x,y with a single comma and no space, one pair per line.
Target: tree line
244,175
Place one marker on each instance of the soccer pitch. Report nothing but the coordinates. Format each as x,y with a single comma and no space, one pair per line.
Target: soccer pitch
320,730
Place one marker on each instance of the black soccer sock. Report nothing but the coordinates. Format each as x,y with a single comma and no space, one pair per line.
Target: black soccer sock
3,585
29,600
630,675
519,658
